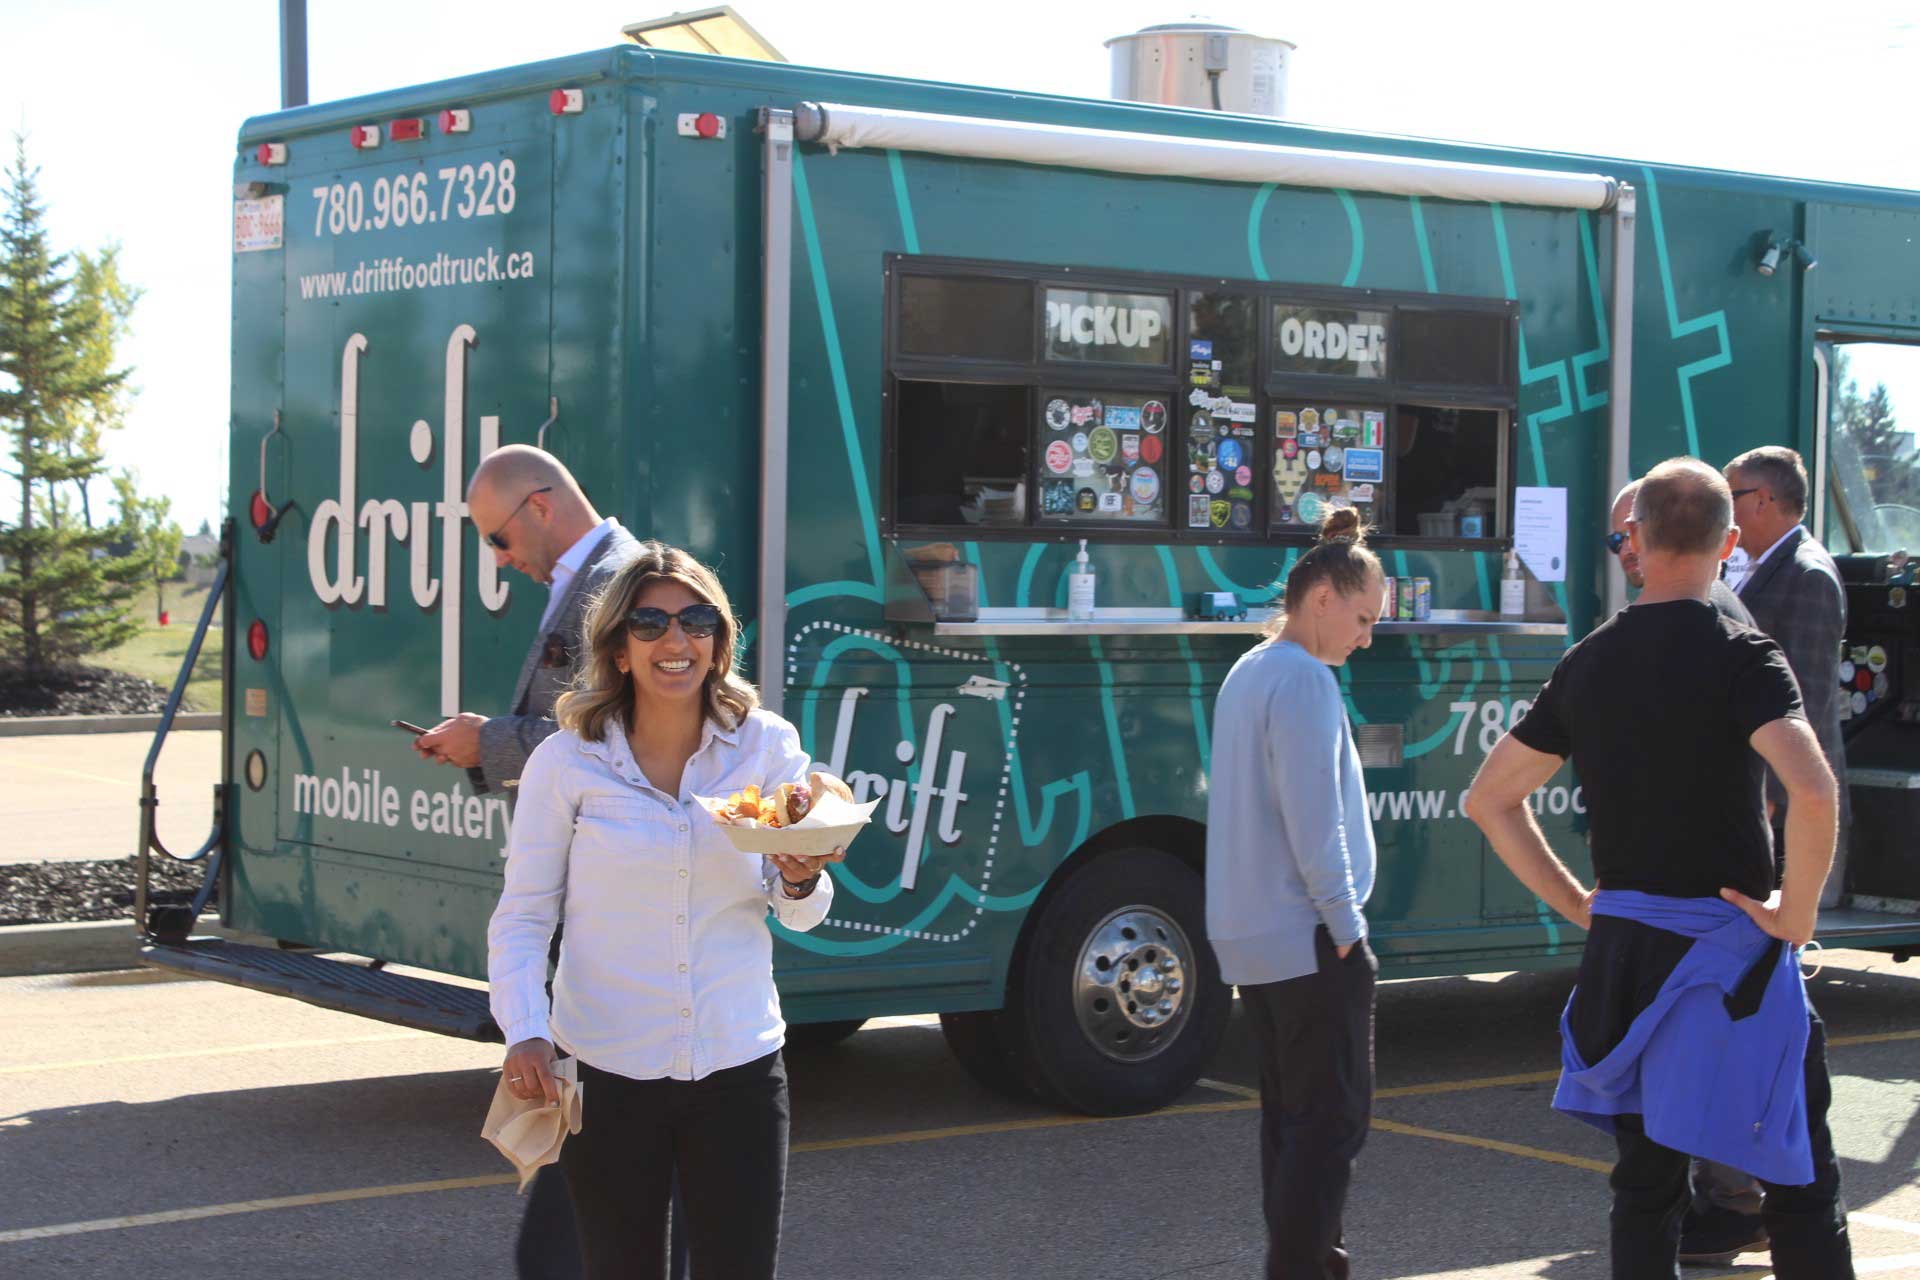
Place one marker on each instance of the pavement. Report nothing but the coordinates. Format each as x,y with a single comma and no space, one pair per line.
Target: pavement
157,1127
75,797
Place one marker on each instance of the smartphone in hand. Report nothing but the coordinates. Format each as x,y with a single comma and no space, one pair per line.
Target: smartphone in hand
413,729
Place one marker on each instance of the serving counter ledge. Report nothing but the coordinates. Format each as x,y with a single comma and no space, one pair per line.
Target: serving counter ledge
1175,622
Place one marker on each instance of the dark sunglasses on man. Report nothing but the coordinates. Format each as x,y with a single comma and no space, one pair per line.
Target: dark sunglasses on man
1616,542
698,621
494,539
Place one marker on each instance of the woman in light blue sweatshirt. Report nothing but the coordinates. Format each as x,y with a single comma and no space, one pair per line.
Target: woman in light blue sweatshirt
1290,862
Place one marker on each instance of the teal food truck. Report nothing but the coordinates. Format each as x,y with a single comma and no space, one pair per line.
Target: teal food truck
887,353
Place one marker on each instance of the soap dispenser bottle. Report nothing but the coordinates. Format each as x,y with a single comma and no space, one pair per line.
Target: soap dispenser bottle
1513,588
1080,585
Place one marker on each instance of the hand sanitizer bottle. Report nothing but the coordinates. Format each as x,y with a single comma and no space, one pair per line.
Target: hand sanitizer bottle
1080,585
1513,588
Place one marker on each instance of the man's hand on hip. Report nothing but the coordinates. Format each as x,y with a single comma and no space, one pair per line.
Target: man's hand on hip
455,742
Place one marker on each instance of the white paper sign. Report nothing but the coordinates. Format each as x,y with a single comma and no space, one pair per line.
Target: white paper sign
1540,531
258,224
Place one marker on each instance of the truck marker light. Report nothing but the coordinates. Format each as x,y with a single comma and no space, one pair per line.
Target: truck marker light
271,153
704,125
256,769
456,120
409,130
567,102
364,136
257,640
259,510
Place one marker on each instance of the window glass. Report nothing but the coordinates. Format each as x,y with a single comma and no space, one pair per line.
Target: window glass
1873,468
1447,464
1321,339
1109,327
1328,455
1102,458
1454,348
968,317
961,454
1221,342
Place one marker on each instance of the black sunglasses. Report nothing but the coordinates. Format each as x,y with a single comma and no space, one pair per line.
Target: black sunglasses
1616,541
698,620
1741,493
494,539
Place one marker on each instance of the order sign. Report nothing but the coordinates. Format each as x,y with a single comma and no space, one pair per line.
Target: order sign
259,224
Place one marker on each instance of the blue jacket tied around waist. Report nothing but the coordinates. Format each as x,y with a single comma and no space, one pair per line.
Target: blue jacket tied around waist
1714,1063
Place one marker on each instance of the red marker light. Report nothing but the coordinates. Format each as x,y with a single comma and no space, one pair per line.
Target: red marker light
364,136
707,125
259,510
257,640
567,102
271,153
408,130
456,120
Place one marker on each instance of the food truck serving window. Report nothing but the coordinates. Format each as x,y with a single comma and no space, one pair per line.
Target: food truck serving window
1025,398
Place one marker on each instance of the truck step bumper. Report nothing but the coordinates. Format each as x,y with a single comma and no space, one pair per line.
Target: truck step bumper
332,984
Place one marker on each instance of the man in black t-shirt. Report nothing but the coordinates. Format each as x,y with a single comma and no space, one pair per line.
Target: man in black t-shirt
1667,711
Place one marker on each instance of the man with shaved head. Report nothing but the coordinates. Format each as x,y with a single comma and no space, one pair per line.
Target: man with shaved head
532,516
1722,596
1689,1032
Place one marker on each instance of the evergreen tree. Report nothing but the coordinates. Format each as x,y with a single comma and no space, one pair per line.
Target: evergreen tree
61,595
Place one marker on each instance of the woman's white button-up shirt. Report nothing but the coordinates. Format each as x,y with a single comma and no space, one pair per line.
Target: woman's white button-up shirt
667,964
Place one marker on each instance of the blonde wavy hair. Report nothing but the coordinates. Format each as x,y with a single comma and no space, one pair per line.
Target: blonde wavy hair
602,693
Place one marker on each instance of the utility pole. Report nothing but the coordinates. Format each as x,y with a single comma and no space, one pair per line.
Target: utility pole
293,53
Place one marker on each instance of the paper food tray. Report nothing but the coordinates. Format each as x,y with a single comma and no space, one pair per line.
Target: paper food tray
831,824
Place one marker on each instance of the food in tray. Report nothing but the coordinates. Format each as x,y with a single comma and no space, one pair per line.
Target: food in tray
784,806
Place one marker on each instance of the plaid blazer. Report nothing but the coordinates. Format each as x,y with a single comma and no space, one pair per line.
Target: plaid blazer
1795,596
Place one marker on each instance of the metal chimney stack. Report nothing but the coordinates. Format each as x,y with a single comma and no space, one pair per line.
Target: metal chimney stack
1204,65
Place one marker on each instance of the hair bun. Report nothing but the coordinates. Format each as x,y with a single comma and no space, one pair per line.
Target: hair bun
1342,522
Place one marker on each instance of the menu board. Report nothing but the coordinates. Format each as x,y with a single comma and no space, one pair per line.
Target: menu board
1328,457
1102,458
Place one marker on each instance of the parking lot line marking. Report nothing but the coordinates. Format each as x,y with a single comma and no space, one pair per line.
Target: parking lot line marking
1877,1037
1221,1086
70,773
20,1234
1493,1144
217,1050
1013,1126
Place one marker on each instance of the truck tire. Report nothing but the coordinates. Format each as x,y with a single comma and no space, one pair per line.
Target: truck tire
1119,1001
977,1039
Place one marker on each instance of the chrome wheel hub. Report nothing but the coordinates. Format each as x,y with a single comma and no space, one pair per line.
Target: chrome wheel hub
1130,984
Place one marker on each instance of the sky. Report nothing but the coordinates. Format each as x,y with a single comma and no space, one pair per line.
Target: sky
131,110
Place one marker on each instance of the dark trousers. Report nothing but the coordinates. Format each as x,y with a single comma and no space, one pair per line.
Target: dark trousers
724,1138
549,1244
1315,1035
1808,1224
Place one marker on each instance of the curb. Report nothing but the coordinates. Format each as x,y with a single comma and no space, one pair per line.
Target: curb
34,726
88,946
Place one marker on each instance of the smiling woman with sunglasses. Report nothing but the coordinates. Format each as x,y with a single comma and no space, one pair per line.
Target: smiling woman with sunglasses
664,991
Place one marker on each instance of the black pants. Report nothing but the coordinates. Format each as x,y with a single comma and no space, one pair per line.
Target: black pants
724,1138
1316,1099
548,1247
1625,965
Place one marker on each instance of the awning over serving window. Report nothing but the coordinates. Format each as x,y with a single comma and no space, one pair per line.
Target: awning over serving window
837,125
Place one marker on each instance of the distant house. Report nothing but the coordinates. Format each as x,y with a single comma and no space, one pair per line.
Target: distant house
198,555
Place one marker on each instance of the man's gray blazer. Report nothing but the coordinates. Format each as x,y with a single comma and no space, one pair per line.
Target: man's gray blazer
507,740
1796,597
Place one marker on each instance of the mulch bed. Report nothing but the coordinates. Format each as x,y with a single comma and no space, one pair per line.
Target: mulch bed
77,690
61,892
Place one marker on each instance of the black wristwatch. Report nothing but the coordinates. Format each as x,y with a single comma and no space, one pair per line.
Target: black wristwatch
805,887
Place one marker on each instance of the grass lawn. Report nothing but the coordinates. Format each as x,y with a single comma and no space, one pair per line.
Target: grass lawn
156,653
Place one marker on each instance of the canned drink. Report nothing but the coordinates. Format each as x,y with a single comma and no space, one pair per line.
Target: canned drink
1392,600
1404,608
1422,599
